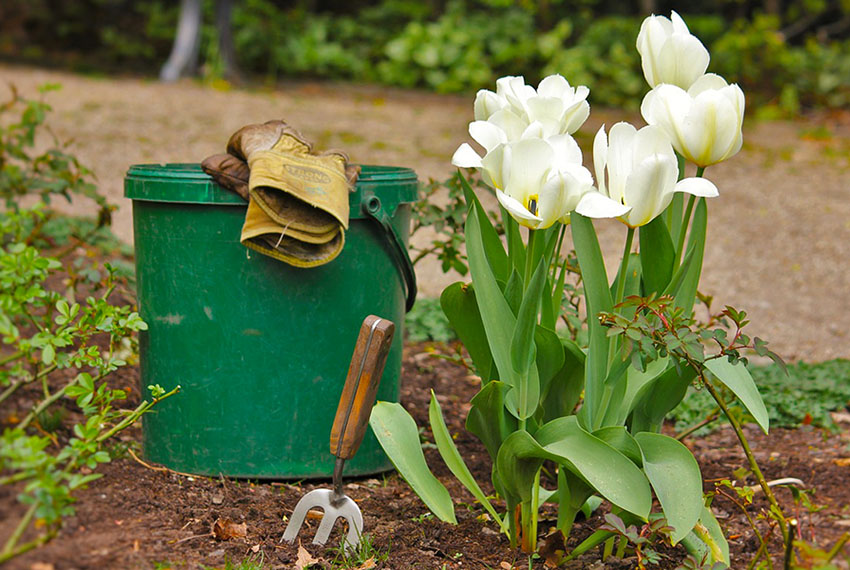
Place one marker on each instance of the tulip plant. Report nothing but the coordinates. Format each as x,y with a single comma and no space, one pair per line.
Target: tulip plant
547,399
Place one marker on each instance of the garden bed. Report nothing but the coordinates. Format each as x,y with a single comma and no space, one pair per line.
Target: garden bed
140,516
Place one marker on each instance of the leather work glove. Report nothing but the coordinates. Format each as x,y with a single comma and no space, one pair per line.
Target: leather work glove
297,200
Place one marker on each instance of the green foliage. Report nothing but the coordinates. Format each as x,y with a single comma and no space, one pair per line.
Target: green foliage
426,321
68,349
61,346
455,46
25,170
804,396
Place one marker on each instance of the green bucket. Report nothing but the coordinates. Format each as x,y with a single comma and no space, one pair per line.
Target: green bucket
261,349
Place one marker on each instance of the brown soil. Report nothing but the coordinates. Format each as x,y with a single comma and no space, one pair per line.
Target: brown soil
778,248
138,516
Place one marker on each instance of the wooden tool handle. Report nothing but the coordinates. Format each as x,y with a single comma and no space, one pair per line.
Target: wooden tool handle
361,385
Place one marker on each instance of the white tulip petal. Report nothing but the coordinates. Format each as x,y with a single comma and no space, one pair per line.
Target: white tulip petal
487,134
707,82
554,86
649,188
621,139
596,205
466,157
679,25
575,117
531,161
512,124
517,210
495,163
600,158
487,103
701,187
545,109
566,150
551,201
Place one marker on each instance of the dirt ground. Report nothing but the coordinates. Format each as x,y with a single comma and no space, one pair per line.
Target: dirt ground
778,236
778,244
136,517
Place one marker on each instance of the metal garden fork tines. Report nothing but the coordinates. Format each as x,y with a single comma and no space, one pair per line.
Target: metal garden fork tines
349,427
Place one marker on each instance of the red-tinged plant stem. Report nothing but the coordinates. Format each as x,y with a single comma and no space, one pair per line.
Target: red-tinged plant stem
745,446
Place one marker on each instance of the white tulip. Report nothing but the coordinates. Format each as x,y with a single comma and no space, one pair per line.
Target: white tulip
704,123
669,53
557,106
517,111
537,181
638,170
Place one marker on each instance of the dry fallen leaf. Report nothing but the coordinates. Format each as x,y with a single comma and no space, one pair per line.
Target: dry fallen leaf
368,564
41,566
842,461
225,529
305,559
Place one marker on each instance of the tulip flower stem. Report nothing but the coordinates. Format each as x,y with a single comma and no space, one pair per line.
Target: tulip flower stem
683,231
621,288
530,264
624,267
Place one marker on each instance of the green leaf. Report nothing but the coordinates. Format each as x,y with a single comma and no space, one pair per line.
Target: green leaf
488,419
499,322
450,454
397,433
737,378
560,395
685,296
523,349
612,474
657,397
657,256
676,479
493,247
621,440
459,305
598,299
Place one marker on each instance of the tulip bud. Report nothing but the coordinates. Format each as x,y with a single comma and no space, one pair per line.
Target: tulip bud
704,123
669,53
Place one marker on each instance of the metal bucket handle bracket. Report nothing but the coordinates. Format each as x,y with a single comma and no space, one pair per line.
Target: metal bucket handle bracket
372,207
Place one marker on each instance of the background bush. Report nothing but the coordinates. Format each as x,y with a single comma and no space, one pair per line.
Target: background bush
790,55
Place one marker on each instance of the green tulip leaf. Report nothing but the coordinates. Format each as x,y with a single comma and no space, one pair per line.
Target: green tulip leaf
490,239
598,299
708,543
513,292
523,349
451,456
488,419
657,255
675,478
620,439
737,378
399,437
657,396
561,393
609,472
497,317
459,305
517,463
686,294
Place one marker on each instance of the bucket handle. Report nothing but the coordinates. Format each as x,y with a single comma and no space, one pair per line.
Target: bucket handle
372,207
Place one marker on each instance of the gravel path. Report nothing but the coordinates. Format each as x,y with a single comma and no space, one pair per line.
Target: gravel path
779,235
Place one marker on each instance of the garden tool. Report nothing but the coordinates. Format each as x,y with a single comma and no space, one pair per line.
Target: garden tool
297,199
349,427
